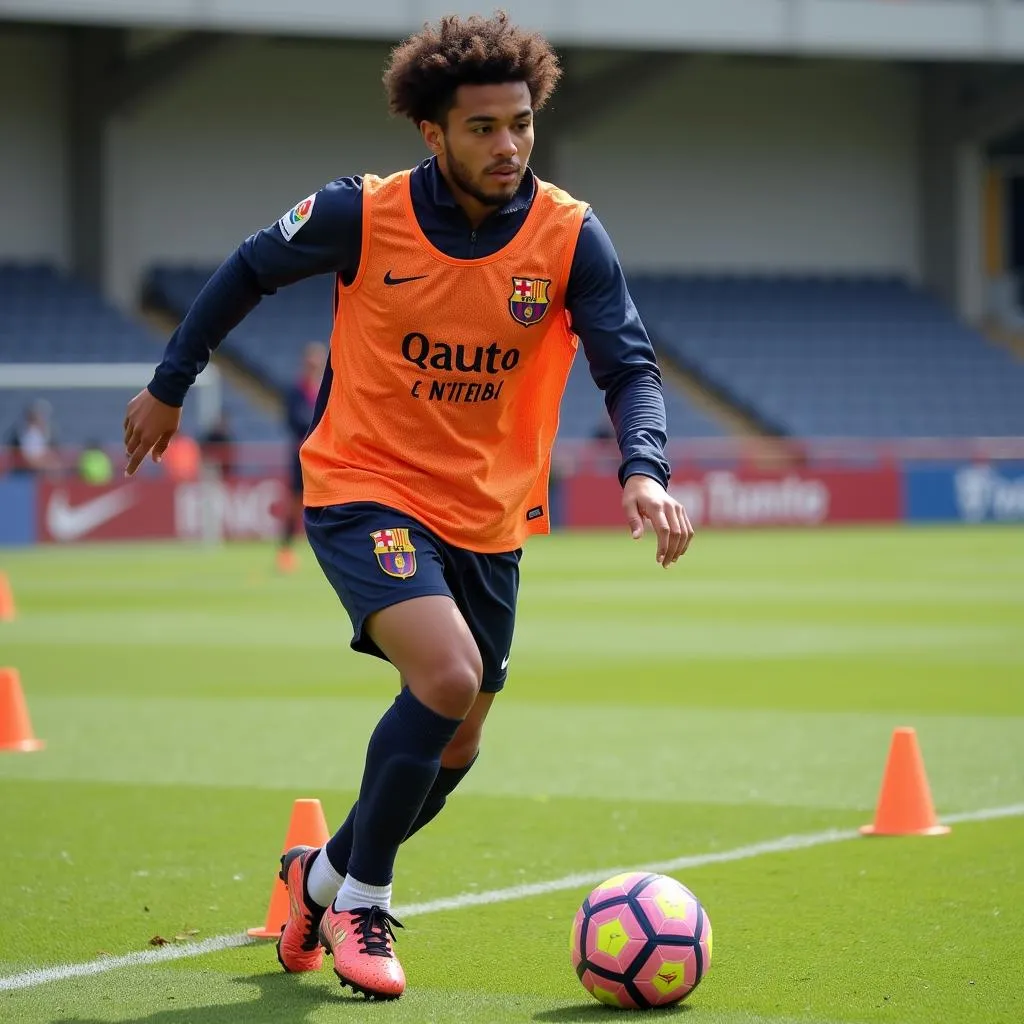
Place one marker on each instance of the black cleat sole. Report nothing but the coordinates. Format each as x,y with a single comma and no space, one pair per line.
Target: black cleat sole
368,994
370,997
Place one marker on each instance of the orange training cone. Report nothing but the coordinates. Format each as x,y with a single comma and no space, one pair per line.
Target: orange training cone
6,600
15,728
905,802
308,827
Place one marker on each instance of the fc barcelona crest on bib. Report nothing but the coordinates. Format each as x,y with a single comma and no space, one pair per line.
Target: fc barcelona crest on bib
529,299
395,553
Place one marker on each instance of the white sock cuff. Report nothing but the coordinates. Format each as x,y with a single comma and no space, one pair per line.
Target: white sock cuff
354,893
323,882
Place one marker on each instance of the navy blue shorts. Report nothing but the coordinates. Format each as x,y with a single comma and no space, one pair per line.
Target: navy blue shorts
375,557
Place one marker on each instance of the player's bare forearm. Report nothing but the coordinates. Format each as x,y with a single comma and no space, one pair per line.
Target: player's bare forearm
644,500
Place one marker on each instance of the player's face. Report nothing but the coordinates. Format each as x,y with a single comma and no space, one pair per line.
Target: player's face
487,141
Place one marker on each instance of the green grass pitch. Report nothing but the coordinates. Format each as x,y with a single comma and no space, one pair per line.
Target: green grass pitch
188,696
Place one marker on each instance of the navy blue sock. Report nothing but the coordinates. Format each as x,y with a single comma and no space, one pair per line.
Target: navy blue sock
446,781
402,762
339,846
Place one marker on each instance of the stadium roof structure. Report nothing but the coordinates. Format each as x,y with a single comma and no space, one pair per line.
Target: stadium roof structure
991,30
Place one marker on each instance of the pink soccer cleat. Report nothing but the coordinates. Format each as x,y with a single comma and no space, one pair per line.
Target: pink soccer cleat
298,949
360,941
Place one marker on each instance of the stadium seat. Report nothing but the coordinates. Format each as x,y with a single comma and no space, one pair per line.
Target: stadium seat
829,357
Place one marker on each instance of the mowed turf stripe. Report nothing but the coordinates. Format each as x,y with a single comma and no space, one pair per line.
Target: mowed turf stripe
784,844
824,759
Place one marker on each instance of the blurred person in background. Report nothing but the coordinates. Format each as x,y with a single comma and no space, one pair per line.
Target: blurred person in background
94,464
218,448
183,460
300,403
32,443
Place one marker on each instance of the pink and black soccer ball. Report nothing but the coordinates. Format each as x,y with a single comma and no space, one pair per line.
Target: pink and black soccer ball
641,940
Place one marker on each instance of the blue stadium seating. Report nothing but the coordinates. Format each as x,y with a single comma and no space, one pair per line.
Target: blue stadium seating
844,357
48,317
855,357
269,340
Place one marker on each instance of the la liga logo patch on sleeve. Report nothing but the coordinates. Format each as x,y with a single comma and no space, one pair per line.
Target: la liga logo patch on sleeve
291,223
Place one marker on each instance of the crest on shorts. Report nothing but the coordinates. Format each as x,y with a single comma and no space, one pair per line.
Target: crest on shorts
396,554
529,299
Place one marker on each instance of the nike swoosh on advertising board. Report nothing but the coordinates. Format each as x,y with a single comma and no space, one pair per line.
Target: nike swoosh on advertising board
69,522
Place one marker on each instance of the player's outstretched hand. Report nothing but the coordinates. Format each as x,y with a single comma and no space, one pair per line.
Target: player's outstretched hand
149,425
644,499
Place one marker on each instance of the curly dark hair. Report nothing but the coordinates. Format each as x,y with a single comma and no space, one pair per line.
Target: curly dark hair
426,69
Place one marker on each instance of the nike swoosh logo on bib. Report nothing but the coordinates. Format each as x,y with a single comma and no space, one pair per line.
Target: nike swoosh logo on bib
388,279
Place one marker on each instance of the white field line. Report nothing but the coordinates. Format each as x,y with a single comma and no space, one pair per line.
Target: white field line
784,844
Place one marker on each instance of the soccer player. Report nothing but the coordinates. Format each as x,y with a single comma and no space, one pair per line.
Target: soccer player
300,404
464,286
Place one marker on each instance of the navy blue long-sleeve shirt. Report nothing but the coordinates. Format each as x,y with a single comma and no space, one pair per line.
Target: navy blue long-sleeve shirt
614,340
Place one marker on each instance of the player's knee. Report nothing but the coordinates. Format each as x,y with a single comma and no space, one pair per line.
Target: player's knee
451,685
